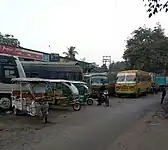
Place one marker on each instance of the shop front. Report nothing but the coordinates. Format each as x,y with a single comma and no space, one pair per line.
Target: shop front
24,54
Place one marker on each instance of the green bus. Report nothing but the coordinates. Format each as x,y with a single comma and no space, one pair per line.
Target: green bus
94,81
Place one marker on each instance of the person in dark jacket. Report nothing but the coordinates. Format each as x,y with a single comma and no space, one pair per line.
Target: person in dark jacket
163,95
154,88
101,90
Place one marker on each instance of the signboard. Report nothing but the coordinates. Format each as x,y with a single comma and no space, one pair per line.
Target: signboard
20,52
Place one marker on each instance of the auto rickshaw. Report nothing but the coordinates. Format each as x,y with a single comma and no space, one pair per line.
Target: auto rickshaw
30,96
65,94
83,92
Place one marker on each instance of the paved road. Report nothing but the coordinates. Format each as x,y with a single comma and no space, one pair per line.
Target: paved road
93,128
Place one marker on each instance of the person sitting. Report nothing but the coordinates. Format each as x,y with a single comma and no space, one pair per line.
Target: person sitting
101,90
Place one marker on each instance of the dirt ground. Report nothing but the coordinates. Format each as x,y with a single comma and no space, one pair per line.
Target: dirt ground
13,128
149,133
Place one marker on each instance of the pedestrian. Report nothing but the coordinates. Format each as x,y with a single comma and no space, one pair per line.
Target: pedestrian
163,94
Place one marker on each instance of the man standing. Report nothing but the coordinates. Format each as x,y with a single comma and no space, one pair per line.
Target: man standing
163,94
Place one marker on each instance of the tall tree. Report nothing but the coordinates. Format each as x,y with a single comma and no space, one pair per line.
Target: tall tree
71,53
155,6
147,49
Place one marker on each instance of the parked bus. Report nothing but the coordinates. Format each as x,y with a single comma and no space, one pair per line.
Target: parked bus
133,82
10,67
94,81
52,70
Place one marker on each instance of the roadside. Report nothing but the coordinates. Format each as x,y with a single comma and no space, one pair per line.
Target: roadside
149,133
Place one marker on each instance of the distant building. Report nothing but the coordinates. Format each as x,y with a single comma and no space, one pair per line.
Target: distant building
26,54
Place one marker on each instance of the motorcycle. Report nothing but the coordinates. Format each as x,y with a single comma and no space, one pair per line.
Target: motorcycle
104,98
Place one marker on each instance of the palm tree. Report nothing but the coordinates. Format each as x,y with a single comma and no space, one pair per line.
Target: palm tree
71,53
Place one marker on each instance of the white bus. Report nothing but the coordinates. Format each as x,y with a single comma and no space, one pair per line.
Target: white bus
10,67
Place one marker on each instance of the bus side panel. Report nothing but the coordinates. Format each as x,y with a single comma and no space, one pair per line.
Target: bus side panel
160,80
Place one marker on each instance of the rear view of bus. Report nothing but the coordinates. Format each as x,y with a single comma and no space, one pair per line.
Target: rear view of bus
94,82
10,67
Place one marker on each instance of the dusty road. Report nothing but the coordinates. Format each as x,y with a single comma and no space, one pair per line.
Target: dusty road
93,128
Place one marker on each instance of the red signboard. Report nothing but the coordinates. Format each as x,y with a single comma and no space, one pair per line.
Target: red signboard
20,52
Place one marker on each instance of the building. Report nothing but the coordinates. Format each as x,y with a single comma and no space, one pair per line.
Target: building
24,53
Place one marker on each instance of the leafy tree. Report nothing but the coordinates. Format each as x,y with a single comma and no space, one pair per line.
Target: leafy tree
71,53
155,6
9,40
147,49
117,66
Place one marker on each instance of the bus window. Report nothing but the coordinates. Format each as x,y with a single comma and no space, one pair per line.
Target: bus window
10,72
28,74
61,75
34,74
1,69
77,76
70,76
80,76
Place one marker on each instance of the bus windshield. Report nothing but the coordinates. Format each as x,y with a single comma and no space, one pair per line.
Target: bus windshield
126,78
10,67
130,77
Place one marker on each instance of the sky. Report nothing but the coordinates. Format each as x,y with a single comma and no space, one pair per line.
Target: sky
96,28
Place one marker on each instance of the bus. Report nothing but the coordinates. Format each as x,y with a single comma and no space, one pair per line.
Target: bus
133,82
52,70
94,82
10,67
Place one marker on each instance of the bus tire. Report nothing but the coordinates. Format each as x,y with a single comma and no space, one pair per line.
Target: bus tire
5,102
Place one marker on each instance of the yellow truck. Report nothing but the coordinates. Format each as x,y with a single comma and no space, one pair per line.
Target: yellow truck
133,82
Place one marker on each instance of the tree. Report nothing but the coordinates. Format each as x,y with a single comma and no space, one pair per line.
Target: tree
9,40
155,6
117,66
104,68
71,53
147,49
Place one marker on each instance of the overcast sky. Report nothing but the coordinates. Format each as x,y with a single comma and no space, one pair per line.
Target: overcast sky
95,27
